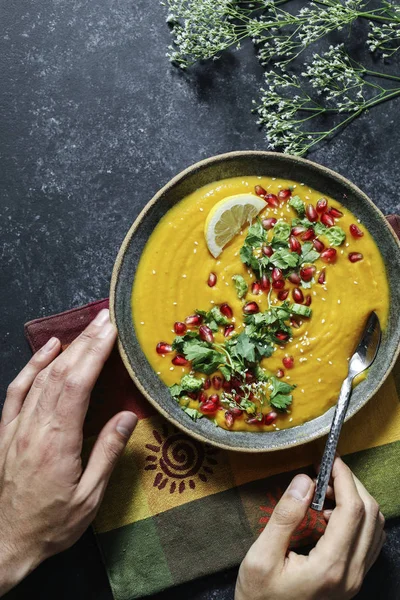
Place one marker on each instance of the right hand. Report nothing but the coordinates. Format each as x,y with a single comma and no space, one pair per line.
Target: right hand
336,567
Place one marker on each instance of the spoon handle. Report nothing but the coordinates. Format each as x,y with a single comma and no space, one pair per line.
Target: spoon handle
331,445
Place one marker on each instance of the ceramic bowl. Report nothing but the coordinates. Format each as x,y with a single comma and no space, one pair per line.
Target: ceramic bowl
244,164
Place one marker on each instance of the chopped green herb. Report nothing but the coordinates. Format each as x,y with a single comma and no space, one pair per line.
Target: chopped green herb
280,395
255,235
335,235
308,254
180,340
302,222
213,318
192,412
204,358
281,402
301,309
297,203
284,259
281,232
320,228
240,286
190,383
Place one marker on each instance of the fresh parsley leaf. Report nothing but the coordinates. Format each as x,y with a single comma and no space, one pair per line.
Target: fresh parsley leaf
283,258
204,359
226,372
260,373
248,406
302,222
247,257
281,232
244,348
213,318
263,348
180,340
190,383
281,402
240,285
297,203
320,228
301,309
175,390
335,235
255,235
192,412
280,387
308,254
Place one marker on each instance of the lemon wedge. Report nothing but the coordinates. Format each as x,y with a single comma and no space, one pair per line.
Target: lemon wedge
227,217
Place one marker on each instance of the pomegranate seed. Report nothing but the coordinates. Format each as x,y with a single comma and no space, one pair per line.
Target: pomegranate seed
260,191
236,383
268,223
206,334
227,386
236,411
229,419
256,288
267,250
294,244
217,382
179,328
334,212
276,274
194,320
212,279
163,348
298,230
288,362
311,213
294,323
283,294
238,397
278,285
270,418
308,235
280,373
272,200
214,398
265,283
307,273
329,255
318,245
180,361
226,310
207,384
202,397
297,295
228,330
308,300
284,194
356,231
327,220
282,335
193,395
254,421
355,256
249,377
321,278
294,278
208,407
251,308
322,205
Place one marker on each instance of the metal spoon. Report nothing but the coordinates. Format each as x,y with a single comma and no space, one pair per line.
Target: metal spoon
362,358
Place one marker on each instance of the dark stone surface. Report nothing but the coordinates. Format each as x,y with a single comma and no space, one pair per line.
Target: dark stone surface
93,121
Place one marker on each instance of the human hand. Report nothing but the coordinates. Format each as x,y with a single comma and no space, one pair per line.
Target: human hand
46,500
336,567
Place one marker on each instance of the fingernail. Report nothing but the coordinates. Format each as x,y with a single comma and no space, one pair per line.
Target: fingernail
300,487
50,345
127,424
102,317
106,330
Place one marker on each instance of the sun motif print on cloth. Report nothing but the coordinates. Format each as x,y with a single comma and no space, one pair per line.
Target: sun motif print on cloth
311,527
178,460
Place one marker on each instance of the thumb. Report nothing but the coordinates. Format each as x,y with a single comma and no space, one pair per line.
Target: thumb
105,453
288,514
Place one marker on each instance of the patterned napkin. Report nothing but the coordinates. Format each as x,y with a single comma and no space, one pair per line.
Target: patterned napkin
177,509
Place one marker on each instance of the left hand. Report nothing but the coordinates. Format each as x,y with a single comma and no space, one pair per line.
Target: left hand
47,500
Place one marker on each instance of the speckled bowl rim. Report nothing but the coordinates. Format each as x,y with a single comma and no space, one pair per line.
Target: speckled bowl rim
118,264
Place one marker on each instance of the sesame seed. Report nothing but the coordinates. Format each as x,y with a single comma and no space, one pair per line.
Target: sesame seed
158,372
323,299
314,293
219,262
301,350
302,359
194,251
154,272
171,368
356,282
273,178
307,197
212,302
338,301
358,221
278,429
291,419
184,275
318,359
323,321
175,303
342,252
226,283
330,362
142,322
197,243
347,244
302,391
319,380
201,209
287,377
236,253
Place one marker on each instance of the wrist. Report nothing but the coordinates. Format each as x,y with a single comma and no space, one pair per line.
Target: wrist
16,562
